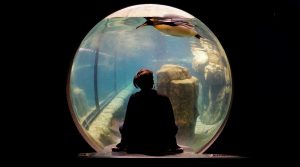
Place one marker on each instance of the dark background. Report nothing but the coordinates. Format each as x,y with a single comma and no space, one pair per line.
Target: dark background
256,36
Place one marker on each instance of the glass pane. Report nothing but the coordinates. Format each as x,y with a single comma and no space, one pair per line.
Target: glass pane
189,65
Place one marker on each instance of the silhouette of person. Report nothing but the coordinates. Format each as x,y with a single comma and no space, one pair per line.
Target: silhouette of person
149,126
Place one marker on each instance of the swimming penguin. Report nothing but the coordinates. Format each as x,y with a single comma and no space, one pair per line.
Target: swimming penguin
175,26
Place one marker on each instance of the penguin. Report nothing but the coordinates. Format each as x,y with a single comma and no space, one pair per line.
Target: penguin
175,26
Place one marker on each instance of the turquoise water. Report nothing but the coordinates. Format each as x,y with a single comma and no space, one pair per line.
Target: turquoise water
114,50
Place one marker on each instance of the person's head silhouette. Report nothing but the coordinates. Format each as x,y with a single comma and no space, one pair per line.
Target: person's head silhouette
144,79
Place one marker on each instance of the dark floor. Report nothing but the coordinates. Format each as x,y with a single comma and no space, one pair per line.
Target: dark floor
188,153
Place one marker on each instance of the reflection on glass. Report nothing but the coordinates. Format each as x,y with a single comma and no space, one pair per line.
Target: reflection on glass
193,72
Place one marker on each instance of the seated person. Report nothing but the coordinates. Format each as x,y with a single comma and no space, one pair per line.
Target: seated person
149,126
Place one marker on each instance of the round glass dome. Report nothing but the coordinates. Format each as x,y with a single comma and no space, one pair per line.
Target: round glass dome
189,66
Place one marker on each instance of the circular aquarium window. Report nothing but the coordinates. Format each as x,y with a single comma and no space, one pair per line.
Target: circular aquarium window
189,65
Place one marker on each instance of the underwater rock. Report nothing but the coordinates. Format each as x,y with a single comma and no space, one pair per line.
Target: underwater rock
169,72
214,57
216,82
183,95
215,112
199,61
214,74
182,89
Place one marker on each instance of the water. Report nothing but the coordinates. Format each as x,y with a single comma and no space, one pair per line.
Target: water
114,50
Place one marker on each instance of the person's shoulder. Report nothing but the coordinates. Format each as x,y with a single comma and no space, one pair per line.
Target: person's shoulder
163,96
134,95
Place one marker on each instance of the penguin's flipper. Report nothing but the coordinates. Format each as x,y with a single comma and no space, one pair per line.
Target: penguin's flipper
185,23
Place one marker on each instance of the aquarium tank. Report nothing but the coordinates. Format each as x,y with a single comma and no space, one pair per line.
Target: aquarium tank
189,64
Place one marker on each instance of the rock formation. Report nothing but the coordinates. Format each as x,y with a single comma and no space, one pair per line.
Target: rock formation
182,89
213,76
